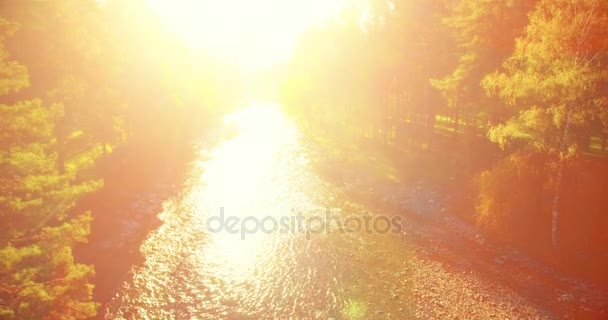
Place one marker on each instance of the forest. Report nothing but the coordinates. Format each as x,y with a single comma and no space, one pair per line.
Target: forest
509,98
85,87
509,95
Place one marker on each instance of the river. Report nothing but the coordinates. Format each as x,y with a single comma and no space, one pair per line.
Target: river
263,175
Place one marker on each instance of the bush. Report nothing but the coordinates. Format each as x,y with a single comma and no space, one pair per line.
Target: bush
513,199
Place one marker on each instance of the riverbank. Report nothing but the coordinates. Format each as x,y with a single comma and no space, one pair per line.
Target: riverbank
460,271
136,185
124,212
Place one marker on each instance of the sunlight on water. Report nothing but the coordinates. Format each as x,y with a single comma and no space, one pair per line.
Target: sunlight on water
191,272
240,167
238,179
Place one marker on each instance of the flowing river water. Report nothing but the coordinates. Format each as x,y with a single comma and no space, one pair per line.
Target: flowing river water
193,270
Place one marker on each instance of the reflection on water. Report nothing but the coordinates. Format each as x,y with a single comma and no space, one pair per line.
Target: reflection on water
190,273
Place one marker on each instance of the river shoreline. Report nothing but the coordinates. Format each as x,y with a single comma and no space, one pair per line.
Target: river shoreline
126,209
124,212
439,267
448,246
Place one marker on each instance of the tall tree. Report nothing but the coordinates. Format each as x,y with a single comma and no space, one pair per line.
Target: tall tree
485,33
38,276
553,83
76,67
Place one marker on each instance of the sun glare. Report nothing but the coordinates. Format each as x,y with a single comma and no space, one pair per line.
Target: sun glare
253,34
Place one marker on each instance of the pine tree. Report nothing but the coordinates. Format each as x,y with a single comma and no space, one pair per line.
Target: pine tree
39,278
485,32
72,62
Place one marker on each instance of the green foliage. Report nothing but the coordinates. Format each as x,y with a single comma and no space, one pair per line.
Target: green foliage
512,199
555,76
530,77
91,75
554,85
38,276
13,76
368,73
484,32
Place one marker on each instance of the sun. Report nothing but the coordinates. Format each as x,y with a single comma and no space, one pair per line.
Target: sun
253,34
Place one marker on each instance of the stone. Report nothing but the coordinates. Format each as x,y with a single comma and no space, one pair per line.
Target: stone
565,297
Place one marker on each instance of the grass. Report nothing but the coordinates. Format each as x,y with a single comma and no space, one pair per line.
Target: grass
356,156
595,147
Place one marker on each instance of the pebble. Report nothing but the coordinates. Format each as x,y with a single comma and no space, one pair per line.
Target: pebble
565,297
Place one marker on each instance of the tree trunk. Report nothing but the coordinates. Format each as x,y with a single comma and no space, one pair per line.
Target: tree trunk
456,121
456,114
60,162
60,149
430,130
558,179
555,209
